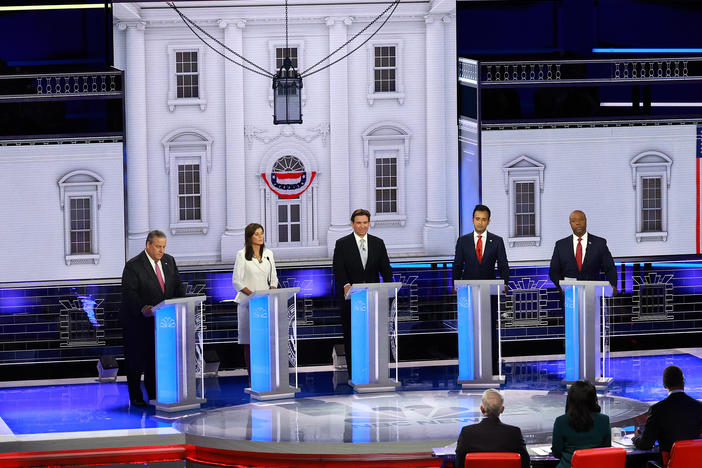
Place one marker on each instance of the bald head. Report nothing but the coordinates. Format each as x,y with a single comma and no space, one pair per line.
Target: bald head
492,403
578,223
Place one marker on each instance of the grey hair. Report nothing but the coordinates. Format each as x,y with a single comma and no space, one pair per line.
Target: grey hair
155,233
492,402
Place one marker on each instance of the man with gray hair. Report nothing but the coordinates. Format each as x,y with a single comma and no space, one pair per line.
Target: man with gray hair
490,434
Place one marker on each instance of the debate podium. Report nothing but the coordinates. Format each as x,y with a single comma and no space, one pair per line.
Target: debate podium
369,337
475,333
268,335
585,351
175,336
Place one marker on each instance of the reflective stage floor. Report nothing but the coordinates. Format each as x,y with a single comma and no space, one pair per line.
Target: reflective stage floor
325,420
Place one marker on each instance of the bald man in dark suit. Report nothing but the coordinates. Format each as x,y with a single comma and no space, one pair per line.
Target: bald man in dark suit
147,279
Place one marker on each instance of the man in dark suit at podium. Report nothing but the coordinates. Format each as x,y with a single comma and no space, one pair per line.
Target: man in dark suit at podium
477,254
358,258
490,434
678,417
147,279
582,256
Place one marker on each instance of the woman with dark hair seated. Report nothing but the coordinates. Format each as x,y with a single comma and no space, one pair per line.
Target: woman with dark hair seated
582,426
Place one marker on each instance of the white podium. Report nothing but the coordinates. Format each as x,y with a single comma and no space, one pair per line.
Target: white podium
475,333
369,337
585,352
175,335
268,334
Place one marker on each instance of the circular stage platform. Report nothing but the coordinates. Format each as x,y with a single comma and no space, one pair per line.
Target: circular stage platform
400,426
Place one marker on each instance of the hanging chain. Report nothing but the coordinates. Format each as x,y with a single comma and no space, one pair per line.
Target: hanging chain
287,49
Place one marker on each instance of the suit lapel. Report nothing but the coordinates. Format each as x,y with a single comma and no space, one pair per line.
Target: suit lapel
355,253
152,273
471,247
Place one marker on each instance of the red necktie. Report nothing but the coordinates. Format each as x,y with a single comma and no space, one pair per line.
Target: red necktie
160,278
479,249
579,254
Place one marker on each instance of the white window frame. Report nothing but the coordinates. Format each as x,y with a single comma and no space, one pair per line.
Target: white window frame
381,138
523,169
399,93
173,100
299,44
81,184
288,202
187,146
651,164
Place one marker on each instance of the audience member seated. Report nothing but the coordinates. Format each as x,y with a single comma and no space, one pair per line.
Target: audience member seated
582,426
491,435
678,417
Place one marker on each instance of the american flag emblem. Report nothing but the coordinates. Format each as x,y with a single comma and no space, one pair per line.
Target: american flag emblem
288,184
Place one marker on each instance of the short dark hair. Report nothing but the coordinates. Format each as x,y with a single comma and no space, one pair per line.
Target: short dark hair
360,212
673,377
155,233
481,208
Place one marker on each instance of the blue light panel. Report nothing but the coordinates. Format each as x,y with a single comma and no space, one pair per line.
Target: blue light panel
359,337
260,344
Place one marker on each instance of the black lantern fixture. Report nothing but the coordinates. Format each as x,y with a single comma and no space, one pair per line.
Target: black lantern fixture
287,95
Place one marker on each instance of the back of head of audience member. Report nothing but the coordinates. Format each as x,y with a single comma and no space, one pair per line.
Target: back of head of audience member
673,378
492,403
581,403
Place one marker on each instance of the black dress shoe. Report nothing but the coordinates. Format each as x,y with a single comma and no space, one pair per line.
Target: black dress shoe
138,403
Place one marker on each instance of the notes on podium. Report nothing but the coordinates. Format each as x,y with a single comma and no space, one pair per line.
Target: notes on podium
175,336
585,331
269,323
370,337
475,333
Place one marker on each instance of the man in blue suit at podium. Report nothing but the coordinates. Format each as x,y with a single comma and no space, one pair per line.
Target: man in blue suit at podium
477,254
582,256
147,279
358,258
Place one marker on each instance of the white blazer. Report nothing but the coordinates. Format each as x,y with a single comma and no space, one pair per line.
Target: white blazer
252,274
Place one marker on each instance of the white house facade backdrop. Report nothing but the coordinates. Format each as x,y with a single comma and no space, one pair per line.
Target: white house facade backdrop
379,129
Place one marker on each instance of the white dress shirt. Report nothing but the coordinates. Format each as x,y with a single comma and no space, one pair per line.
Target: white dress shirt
358,243
475,239
153,265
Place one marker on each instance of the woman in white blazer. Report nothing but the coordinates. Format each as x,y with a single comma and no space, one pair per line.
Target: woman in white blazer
254,269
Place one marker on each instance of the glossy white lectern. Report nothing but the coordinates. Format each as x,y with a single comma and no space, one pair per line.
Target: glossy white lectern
369,336
175,334
268,334
475,333
585,352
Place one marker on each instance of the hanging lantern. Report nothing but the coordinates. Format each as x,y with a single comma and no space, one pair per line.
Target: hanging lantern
287,95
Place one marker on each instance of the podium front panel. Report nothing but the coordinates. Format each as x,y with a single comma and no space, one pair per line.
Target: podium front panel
466,344
167,354
260,341
360,336
572,334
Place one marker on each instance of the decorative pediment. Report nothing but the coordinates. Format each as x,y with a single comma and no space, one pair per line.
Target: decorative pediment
523,166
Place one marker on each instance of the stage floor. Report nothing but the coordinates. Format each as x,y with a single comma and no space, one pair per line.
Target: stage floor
327,418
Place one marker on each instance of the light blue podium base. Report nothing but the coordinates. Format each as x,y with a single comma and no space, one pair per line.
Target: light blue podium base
601,383
177,407
389,386
495,382
267,396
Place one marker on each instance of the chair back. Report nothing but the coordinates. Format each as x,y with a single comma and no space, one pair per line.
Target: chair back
605,457
685,454
493,460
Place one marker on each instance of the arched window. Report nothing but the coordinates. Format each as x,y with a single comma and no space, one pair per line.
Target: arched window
80,195
188,159
650,172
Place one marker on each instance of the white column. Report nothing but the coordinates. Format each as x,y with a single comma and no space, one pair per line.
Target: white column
339,135
451,119
136,135
235,150
436,227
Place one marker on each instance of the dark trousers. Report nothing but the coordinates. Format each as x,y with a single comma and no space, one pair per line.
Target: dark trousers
141,359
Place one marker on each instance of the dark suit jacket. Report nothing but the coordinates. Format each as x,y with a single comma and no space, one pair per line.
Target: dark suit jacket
465,262
678,417
597,259
490,435
139,288
348,268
